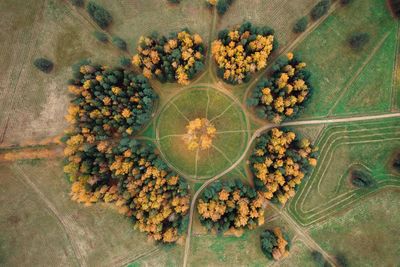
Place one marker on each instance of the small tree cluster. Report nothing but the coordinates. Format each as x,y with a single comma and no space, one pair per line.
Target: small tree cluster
396,162
230,205
132,177
178,57
320,9
280,162
108,102
274,244
358,40
300,25
43,64
200,133
119,42
319,259
242,51
101,36
285,93
78,3
99,14
361,179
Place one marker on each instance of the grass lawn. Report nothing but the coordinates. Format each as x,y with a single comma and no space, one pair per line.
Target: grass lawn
227,118
365,146
333,63
47,225
365,235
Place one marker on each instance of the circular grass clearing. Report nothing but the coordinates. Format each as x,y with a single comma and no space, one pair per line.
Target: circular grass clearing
222,111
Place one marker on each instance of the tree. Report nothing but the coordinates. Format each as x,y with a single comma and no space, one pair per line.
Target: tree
345,2
100,36
100,15
301,25
320,9
361,179
124,61
319,259
78,3
119,42
396,162
43,64
358,40
274,243
222,6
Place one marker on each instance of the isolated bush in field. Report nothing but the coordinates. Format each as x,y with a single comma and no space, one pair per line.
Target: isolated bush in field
125,62
396,162
274,244
279,162
78,3
223,5
100,15
395,6
230,204
301,25
358,40
178,57
320,9
242,51
43,64
285,93
100,36
119,42
361,179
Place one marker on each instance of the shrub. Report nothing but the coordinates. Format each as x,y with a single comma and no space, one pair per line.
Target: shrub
396,162
301,25
222,6
43,64
100,36
174,1
395,6
125,62
100,15
361,179
319,259
119,42
78,3
345,2
358,40
320,9
274,243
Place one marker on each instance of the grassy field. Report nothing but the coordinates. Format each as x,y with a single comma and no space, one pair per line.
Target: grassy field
209,249
362,234
335,66
49,229
225,115
364,146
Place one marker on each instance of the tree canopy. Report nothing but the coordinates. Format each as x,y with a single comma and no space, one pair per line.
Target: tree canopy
274,243
285,93
242,51
99,14
178,57
43,64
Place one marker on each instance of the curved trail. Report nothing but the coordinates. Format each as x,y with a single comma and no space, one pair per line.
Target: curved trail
256,134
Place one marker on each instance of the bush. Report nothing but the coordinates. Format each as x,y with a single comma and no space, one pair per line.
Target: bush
174,1
358,40
345,2
361,179
43,64
396,162
119,42
319,259
320,9
100,15
223,5
125,62
301,25
395,6
100,36
78,3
